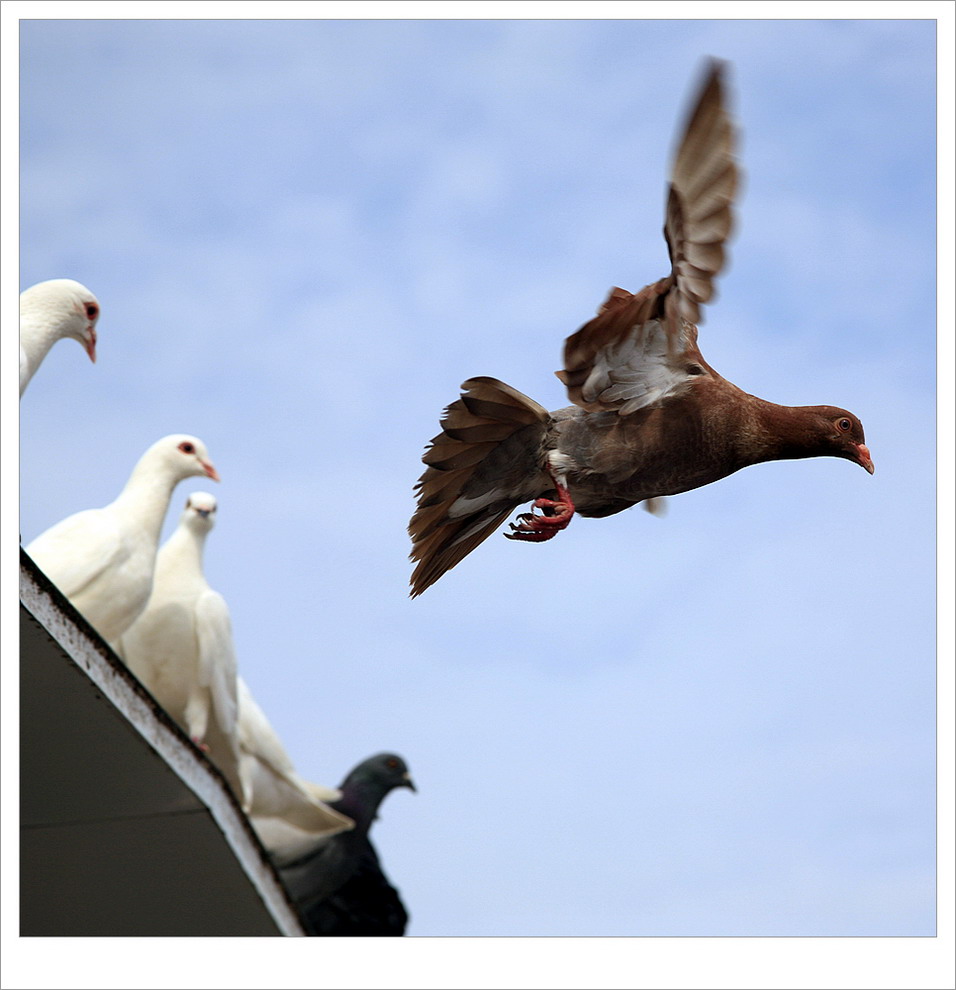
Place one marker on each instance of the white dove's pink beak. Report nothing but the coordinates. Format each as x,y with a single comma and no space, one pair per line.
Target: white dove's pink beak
89,343
210,470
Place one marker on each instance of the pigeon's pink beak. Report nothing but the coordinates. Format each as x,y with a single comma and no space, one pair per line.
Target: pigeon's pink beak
863,457
210,470
90,343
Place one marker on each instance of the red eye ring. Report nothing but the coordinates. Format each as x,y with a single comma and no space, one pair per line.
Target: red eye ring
187,448
92,311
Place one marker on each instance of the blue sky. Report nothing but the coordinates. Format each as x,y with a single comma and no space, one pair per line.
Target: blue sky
305,235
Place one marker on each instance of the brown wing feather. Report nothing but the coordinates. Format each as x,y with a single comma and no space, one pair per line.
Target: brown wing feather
697,222
704,180
483,464
621,314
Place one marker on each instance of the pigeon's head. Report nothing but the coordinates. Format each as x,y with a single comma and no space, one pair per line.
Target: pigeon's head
373,778
200,512
385,770
364,789
392,770
184,456
839,433
67,305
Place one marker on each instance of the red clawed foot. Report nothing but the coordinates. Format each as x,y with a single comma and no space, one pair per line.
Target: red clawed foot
536,528
200,744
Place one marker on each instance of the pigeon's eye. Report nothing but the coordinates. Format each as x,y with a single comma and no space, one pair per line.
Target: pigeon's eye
844,424
391,764
187,448
92,311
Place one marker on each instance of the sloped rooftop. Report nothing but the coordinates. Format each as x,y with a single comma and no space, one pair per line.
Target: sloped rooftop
125,827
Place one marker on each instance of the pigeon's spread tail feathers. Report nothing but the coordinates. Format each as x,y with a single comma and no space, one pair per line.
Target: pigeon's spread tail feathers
488,459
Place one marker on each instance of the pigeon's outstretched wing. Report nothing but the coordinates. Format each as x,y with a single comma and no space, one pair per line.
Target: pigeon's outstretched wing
642,347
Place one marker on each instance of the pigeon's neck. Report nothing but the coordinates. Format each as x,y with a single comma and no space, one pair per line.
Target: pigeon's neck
774,433
360,801
146,496
39,331
183,551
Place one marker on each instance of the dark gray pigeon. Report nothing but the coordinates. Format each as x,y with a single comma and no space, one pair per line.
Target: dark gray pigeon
338,884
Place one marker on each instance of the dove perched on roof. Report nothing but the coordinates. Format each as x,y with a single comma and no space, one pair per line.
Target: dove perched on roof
103,559
181,645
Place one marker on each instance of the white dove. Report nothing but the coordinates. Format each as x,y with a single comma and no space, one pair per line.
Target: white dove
282,805
50,311
103,559
181,645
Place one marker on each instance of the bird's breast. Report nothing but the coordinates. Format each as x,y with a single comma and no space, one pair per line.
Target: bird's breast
621,460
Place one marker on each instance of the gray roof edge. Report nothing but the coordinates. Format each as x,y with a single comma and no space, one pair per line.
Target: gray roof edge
117,683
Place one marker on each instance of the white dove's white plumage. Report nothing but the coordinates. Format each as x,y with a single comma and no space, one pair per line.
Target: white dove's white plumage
103,559
181,645
279,801
50,311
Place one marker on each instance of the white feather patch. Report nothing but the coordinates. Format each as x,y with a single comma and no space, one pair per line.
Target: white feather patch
637,371
463,506
559,464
